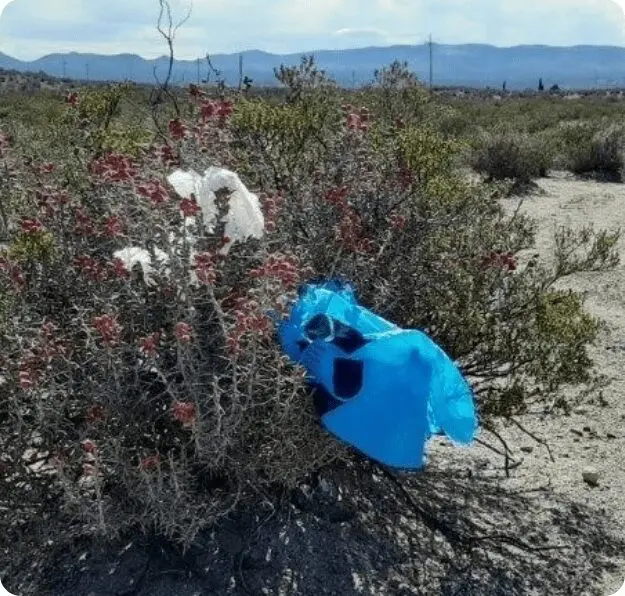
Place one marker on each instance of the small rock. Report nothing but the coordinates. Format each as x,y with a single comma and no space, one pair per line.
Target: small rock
611,436
581,410
590,476
30,454
590,429
527,448
36,440
326,486
579,433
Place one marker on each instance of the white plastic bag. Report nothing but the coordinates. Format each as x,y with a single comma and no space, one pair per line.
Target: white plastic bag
244,218
135,255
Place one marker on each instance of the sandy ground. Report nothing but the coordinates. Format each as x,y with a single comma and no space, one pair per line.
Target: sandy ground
576,204
543,530
594,435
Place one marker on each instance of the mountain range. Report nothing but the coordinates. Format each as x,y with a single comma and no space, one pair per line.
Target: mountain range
470,65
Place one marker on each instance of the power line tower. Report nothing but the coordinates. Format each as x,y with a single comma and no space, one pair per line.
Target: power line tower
197,64
64,68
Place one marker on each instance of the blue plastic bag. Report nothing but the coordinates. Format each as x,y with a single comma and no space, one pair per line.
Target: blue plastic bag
382,389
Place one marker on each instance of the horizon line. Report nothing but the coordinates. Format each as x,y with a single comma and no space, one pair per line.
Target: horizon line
319,50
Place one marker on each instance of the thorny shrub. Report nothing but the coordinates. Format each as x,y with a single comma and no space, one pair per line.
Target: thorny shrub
590,149
505,154
152,399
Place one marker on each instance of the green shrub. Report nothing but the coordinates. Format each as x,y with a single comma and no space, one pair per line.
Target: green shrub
165,405
592,151
508,155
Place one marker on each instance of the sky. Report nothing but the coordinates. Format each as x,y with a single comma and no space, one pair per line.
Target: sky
30,29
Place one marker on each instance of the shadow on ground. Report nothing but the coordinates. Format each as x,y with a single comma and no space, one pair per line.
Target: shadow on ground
358,531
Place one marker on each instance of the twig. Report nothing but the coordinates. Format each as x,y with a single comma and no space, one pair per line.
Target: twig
533,436
507,450
169,34
453,536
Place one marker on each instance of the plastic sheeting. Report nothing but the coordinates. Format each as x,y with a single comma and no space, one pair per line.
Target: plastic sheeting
381,389
244,218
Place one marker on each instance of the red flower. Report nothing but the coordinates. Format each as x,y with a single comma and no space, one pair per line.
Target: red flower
149,344
150,462
114,167
119,269
89,446
208,109
183,332
177,129
95,413
205,268
189,207
91,268
398,222
350,233
47,329
271,207
166,154
84,224
72,99
109,329
501,260
29,372
337,197
248,319
154,190
184,412
284,268
31,226
14,272
113,227
225,109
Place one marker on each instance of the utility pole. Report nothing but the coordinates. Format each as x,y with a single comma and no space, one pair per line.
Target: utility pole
240,71
431,62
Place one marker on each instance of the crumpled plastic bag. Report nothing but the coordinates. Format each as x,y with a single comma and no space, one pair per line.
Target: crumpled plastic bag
244,218
381,389
135,255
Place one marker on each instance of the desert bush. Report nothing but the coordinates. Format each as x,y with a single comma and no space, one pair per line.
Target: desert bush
155,401
508,155
592,150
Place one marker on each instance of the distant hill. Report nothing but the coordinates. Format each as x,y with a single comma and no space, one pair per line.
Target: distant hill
471,65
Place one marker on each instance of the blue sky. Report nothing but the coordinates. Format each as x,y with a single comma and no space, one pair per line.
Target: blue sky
32,28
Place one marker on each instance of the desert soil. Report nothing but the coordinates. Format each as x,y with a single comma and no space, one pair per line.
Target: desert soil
541,530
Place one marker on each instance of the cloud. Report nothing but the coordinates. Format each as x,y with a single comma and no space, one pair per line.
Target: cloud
31,28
